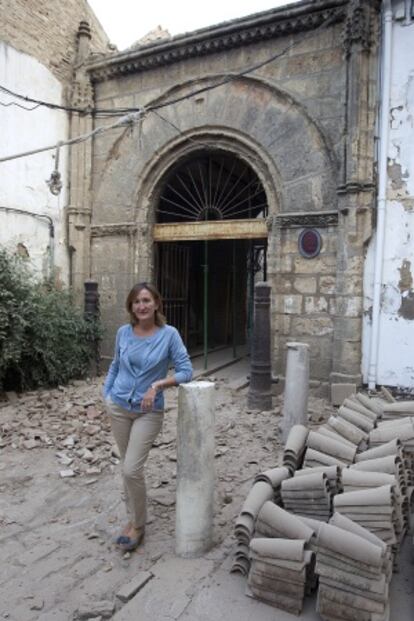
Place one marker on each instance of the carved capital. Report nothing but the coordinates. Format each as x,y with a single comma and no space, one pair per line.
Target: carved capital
82,93
359,25
270,222
75,210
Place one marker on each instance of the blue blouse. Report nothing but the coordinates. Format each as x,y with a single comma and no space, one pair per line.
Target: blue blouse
140,361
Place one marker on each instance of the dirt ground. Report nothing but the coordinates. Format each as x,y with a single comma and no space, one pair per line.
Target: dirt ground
60,503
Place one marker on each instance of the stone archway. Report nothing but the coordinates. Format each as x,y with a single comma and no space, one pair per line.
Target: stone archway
211,236
250,119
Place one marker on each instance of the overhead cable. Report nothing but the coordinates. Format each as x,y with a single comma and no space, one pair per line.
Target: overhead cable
125,121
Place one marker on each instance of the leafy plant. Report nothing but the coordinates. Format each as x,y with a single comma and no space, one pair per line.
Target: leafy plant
44,338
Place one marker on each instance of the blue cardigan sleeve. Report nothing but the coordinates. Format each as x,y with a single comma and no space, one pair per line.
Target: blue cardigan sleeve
113,369
180,358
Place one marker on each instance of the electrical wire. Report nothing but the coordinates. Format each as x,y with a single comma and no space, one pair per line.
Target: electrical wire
126,121
14,103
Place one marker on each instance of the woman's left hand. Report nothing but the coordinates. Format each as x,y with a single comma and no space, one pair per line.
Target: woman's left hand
147,403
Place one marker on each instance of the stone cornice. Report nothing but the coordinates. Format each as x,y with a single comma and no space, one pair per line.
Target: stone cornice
271,24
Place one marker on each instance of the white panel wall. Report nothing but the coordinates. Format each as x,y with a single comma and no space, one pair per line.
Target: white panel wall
23,184
396,345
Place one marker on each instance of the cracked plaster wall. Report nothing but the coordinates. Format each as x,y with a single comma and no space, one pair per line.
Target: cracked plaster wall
396,362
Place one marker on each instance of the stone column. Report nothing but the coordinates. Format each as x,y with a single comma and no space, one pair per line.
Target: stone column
295,399
79,208
356,193
260,395
195,469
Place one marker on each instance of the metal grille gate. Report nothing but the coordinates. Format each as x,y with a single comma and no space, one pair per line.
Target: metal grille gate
173,282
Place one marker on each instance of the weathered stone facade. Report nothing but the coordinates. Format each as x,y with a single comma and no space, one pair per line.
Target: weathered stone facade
302,121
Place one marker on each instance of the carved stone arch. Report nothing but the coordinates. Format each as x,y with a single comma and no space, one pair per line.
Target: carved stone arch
251,108
201,87
217,139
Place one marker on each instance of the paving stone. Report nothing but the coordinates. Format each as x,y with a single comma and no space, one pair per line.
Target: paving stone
38,552
127,591
94,610
165,597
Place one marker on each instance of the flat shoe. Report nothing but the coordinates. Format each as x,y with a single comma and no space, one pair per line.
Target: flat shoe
127,544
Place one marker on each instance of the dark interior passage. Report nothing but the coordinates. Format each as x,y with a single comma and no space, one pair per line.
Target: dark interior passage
225,300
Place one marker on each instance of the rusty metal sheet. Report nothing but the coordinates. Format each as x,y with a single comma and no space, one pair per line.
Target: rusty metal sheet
217,229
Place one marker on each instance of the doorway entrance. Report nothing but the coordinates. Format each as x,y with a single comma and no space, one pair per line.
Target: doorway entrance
211,238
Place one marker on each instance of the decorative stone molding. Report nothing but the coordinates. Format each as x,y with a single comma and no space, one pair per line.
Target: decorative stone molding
82,95
317,219
358,28
74,210
354,187
106,230
269,25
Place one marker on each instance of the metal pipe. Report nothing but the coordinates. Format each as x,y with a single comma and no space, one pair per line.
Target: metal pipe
382,192
205,309
250,289
233,295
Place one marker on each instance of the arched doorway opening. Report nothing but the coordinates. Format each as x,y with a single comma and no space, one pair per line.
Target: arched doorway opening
211,238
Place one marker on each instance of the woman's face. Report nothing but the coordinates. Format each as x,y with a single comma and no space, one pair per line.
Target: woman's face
144,306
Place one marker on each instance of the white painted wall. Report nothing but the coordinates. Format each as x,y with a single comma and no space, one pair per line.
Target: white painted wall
396,337
23,184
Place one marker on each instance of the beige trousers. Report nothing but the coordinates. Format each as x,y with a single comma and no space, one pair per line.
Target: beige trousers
134,434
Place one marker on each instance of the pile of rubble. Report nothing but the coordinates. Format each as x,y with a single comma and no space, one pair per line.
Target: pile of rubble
342,494
66,419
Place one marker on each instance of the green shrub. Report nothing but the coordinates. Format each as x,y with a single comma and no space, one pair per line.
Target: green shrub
44,338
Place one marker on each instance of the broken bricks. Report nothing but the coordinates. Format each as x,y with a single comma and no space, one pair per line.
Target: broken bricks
76,427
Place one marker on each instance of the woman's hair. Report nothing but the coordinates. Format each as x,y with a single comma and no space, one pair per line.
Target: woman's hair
159,318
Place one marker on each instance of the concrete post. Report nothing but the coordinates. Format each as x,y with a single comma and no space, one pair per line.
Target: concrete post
260,395
295,400
195,469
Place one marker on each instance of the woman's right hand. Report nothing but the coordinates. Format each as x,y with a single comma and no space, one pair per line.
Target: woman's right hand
147,402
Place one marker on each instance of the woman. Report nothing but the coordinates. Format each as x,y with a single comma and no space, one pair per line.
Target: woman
133,391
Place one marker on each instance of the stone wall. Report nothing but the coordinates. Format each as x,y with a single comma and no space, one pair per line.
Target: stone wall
47,31
304,306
